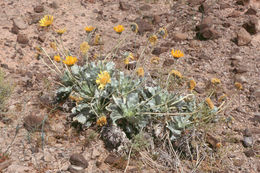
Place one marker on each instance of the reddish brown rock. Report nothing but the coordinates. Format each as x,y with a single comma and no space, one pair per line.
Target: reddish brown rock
143,26
39,9
22,39
33,123
178,36
251,11
124,6
78,160
251,25
243,37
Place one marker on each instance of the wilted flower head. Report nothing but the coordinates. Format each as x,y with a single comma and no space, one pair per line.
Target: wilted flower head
215,81
163,32
153,39
57,58
89,28
119,28
155,60
70,60
177,53
192,84
46,20
84,47
75,98
134,27
103,79
61,31
53,45
223,97
128,58
97,39
140,72
238,86
102,121
209,103
176,73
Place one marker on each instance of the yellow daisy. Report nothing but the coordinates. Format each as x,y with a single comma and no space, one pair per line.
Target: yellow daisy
70,60
61,31
176,73
47,20
89,28
140,72
57,58
177,53
215,81
102,121
119,28
103,79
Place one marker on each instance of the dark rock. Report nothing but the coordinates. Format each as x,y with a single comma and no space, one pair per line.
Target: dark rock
168,62
22,39
226,25
248,141
207,33
249,153
4,66
159,50
156,19
251,11
131,65
238,162
20,23
143,26
145,7
179,36
243,37
124,6
111,158
235,14
243,2
256,117
15,29
98,163
33,123
38,9
251,25
78,160
42,37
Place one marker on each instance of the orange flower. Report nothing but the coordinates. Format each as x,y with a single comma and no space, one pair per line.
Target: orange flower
153,39
119,28
102,121
192,84
176,73
215,81
238,86
57,58
61,31
70,60
140,72
209,103
177,53
89,28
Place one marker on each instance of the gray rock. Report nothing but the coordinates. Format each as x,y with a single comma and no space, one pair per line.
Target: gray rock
20,23
143,26
249,153
248,141
75,169
78,160
243,37
39,8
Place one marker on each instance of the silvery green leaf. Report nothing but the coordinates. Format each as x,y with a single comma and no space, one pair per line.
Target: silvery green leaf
62,93
110,66
132,100
75,70
80,118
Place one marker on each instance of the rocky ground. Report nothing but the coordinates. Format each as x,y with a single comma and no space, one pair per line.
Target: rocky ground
219,38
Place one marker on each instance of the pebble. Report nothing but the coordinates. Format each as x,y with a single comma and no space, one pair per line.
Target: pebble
38,9
22,39
178,36
20,23
249,153
124,6
243,37
78,160
251,25
248,141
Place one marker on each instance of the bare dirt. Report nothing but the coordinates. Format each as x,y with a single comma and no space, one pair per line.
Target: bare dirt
228,52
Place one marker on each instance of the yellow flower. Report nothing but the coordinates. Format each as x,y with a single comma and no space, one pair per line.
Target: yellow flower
238,86
163,32
134,27
103,79
75,98
140,72
215,81
70,60
128,58
89,28
53,45
61,31
155,60
97,39
209,103
177,53
57,58
46,20
119,28
192,84
102,121
176,73
223,97
126,61
153,39
84,47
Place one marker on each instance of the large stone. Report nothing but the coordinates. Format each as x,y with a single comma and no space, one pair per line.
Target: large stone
124,6
33,123
159,50
251,25
78,160
20,23
22,39
143,26
179,36
243,37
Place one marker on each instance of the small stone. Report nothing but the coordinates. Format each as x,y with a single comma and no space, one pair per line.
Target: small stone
4,66
38,9
143,26
168,62
20,23
156,19
145,7
243,2
251,25
235,14
15,29
238,162
257,117
240,68
159,50
48,157
22,39
226,25
208,33
114,20
54,5
124,6
248,141
35,18
240,78
75,169
78,160
178,36
42,37
243,37
98,163
251,11
247,132
249,153
33,123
